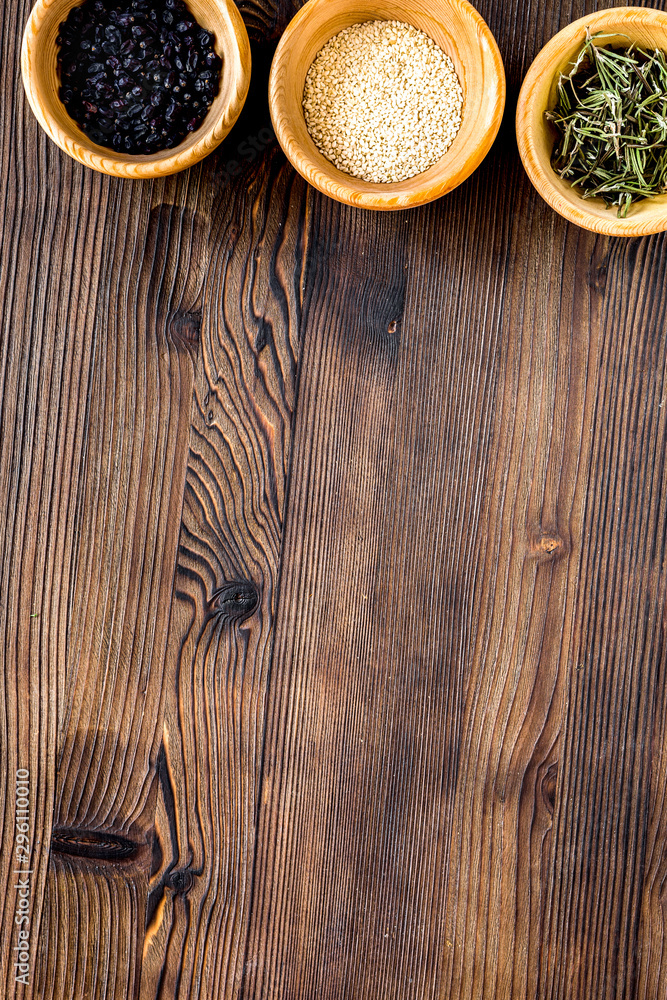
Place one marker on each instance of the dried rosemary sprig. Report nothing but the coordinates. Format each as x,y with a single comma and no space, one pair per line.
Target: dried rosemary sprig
611,119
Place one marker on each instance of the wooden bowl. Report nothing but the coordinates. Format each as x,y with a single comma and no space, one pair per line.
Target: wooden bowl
40,79
457,28
536,136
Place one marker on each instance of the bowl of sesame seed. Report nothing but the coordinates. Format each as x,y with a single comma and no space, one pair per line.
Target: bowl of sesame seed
386,105
136,88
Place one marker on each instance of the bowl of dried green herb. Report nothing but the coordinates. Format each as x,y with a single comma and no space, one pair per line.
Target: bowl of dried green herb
592,121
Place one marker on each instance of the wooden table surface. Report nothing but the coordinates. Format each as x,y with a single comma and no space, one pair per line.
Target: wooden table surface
333,580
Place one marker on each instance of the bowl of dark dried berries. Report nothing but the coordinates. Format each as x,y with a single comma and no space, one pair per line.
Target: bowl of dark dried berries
136,88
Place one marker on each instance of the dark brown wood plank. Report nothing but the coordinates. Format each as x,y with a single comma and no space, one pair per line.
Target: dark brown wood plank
466,743
107,746
596,940
128,510
226,588
125,416
228,570
400,437
45,354
100,286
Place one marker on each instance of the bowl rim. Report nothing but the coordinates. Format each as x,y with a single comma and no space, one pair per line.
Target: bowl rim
541,180
141,167
382,197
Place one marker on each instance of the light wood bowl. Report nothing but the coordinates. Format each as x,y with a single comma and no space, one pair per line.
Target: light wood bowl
454,25
40,79
536,136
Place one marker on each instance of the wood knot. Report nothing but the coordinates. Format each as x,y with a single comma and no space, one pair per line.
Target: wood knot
547,546
598,273
92,844
185,328
181,881
235,601
264,337
549,785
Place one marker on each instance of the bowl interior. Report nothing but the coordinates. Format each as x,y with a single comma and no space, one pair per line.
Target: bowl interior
537,136
43,85
456,27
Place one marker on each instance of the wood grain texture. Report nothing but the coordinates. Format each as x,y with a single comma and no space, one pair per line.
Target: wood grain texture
464,778
129,507
596,937
389,643
344,537
123,509
42,363
227,581
100,283
226,588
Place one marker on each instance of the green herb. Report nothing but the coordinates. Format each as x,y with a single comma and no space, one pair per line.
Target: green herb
611,118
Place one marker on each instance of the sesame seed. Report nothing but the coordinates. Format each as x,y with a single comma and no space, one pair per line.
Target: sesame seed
382,101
